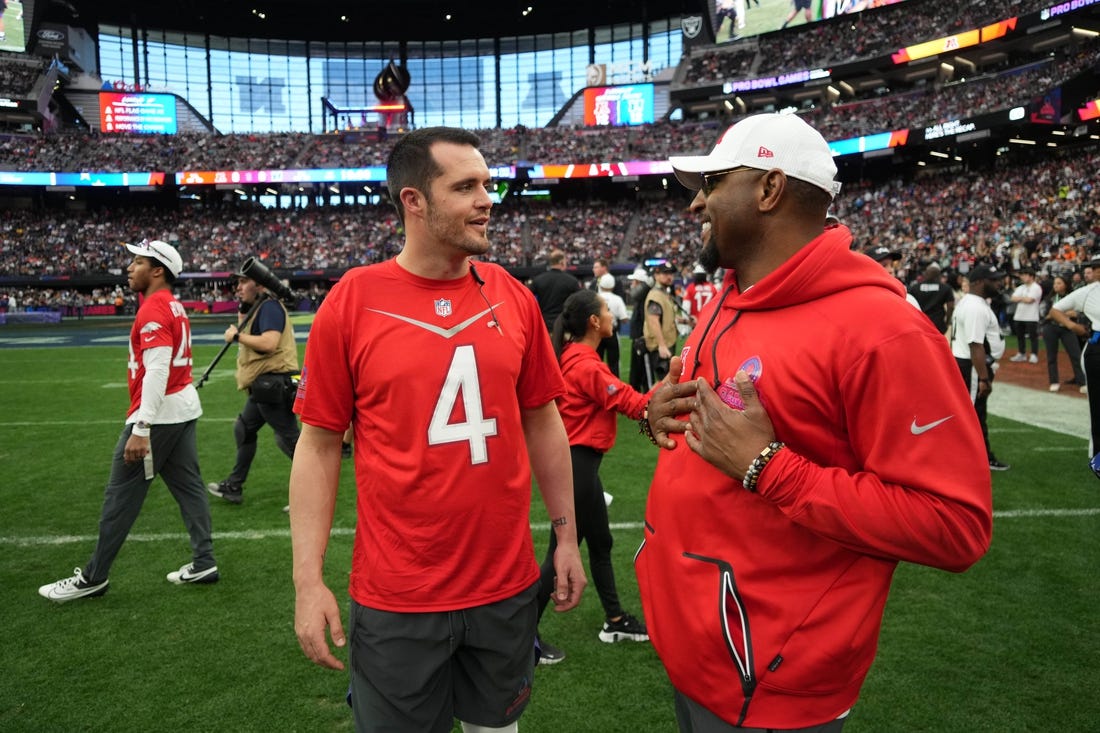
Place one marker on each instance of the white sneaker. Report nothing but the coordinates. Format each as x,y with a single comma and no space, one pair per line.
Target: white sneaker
1033,359
1018,357
188,574
69,589
1055,387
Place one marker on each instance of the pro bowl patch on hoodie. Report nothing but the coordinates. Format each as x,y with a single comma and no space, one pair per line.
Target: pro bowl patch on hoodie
728,389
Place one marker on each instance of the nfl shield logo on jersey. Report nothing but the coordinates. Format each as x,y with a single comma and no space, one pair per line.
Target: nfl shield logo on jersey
443,307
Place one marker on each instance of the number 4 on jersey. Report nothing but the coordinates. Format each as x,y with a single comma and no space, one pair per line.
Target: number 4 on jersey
462,375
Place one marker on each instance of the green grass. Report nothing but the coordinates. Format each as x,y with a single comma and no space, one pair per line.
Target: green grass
1010,645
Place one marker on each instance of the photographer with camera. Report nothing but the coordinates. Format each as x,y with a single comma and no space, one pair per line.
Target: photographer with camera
267,362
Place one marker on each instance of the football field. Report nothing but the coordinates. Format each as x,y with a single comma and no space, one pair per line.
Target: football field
1010,645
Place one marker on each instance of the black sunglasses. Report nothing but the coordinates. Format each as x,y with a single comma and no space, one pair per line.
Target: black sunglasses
710,180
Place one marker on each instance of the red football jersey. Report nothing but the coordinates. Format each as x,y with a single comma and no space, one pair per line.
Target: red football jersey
161,321
435,380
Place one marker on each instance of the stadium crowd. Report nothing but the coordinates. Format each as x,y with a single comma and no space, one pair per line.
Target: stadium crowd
18,73
1050,206
1013,84
869,34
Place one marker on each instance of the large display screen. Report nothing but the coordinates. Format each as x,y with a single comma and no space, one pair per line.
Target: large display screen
736,19
13,28
137,112
631,104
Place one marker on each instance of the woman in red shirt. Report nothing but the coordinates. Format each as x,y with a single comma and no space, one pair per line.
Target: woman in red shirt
589,408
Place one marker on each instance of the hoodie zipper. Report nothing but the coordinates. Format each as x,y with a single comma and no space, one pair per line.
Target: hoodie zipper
729,595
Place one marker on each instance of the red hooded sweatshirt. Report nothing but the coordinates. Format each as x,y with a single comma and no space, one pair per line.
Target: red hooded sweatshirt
765,607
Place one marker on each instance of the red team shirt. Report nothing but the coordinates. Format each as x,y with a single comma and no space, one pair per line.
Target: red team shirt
442,471
698,295
161,321
594,398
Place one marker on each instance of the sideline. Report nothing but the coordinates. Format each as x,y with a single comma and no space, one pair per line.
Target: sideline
350,531
1058,412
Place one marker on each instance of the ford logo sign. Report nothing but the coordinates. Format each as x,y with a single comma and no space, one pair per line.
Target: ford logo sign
50,35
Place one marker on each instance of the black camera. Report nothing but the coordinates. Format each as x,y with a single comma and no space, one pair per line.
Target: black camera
255,270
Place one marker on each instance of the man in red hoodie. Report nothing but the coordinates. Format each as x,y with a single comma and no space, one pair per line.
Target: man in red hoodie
818,435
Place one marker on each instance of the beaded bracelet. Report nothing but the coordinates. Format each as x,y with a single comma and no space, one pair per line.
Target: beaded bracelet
644,428
753,474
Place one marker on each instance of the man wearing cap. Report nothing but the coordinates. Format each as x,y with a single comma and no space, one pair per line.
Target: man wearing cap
700,292
159,435
817,435
267,362
639,290
615,304
659,329
889,259
608,348
977,344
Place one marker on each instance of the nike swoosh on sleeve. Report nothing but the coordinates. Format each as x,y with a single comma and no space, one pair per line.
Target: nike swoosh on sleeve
918,429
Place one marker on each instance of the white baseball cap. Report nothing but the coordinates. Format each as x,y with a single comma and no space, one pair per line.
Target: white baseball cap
765,141
607,281
640,275
165,253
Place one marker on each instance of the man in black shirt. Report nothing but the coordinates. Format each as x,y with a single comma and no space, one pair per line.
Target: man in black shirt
552,287
936,298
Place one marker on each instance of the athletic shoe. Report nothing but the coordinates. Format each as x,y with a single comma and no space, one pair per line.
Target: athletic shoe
345,450
188,574
1094,464
1055,387
1033,359
626,628
548,653
1018,357
228,490
69,589
995,465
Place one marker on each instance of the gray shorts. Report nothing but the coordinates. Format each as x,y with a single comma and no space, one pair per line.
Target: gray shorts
420,671
694,718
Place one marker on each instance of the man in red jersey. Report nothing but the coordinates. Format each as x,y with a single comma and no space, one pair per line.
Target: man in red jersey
699,292
159,436
818,435
446,372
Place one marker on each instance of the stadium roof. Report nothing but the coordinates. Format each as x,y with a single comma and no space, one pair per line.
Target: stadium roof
367,20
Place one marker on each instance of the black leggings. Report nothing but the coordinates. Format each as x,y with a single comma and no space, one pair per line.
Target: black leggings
1053,334
592,528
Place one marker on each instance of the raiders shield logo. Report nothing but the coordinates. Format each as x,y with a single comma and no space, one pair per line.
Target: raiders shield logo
443,307
691,25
